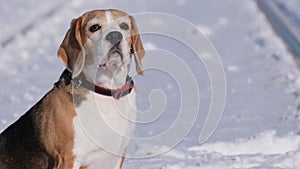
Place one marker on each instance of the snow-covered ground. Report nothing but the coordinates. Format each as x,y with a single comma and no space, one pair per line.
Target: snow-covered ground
260,125
290,10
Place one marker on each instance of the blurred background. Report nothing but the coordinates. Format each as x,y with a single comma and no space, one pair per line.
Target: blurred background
257,42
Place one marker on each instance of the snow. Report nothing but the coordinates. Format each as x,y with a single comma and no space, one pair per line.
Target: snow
205,30
289,11
260,125
263,143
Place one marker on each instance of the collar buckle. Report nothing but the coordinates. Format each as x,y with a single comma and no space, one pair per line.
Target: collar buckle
76,82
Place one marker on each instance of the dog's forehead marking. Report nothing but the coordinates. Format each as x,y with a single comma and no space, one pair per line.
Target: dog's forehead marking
109,17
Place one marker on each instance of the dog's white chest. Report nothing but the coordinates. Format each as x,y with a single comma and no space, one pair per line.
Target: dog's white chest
102,128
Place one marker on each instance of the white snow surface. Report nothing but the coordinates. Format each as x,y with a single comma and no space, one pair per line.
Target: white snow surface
260,125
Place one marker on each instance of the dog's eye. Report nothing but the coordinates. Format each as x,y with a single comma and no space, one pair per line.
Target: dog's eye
95,27
124,26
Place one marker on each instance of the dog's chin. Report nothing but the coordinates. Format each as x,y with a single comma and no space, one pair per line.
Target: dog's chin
113,62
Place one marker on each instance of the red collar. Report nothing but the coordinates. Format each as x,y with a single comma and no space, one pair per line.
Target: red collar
115,93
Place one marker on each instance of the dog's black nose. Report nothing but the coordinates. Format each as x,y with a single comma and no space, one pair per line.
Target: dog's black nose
114,37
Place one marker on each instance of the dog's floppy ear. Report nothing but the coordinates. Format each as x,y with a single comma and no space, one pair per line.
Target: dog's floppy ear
137,48
71,51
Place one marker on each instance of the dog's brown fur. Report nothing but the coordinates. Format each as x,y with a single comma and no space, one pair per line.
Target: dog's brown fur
36,140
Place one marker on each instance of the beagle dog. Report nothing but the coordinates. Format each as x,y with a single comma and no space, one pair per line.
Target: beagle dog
86,120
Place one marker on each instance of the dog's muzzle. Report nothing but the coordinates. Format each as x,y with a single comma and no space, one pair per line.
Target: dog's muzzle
114,56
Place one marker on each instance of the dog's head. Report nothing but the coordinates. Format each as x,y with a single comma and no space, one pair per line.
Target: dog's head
100,44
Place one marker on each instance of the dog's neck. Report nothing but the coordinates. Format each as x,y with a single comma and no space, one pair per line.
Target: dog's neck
112,79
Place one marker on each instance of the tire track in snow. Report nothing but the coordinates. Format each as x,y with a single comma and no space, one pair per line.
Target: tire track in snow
34,22
281,27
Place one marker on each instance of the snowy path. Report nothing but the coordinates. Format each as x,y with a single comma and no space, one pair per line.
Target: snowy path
285,22
259,128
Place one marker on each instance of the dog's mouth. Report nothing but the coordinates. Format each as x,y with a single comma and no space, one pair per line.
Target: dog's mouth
115,50
113,59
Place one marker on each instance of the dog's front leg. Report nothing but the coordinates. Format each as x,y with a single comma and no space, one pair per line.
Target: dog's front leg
77,165
120,162
65,163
